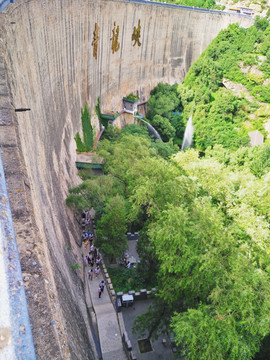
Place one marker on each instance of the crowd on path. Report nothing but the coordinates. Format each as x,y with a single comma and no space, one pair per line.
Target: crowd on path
92,260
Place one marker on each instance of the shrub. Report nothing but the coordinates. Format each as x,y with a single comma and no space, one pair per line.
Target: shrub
79,143
132,97
88,139
249,59
125,279
87,129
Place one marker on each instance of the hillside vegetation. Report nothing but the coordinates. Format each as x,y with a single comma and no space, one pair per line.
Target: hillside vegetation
204,244
237,55
207,4
258,7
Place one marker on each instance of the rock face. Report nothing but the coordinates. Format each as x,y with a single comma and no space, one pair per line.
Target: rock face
50,69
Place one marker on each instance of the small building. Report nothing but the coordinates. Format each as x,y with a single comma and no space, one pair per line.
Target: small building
108,117
256,138
131,104
234,10
246,11
241,10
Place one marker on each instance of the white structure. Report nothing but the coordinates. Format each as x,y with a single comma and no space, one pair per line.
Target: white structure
130,106
256,138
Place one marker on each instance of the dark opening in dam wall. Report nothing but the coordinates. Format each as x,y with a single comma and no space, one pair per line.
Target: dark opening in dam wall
51,70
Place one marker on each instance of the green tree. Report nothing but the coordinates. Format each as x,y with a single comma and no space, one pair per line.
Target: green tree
165,150
260,164
111,228
261,23
111,133
163,100
87,129
88,139
164,127
211,247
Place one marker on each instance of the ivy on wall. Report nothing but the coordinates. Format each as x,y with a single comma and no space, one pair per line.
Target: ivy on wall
88,140
102,120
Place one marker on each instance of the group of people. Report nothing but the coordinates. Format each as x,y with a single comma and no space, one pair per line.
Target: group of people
92,259
87,238
86,219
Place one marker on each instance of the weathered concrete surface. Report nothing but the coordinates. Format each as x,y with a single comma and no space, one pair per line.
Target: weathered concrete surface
55,298
51,70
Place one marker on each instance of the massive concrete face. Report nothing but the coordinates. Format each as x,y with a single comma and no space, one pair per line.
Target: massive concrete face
51,70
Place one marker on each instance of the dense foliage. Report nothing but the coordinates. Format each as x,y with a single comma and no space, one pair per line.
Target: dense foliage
236,56
124,279
206,239
163,112
88,139
240,56
208,4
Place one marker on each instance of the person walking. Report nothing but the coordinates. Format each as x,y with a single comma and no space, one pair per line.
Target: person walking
90,274
101,285
90,258
99,292
98,261
97,271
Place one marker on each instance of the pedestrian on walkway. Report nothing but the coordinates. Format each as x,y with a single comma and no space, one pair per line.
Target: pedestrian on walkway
90,258
97,271
90,274
85,260
101,285
99,292
98,260
83,224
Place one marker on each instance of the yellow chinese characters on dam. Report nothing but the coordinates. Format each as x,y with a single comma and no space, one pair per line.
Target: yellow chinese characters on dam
135,38
95,41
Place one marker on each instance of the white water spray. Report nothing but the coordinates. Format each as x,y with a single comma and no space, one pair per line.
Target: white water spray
188,135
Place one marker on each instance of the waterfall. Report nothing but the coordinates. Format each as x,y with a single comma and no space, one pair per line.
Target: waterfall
188,135
152,130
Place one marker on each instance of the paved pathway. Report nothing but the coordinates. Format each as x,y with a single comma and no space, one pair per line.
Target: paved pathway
107,323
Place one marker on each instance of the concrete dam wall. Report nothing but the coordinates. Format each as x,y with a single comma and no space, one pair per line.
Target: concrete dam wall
49,67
